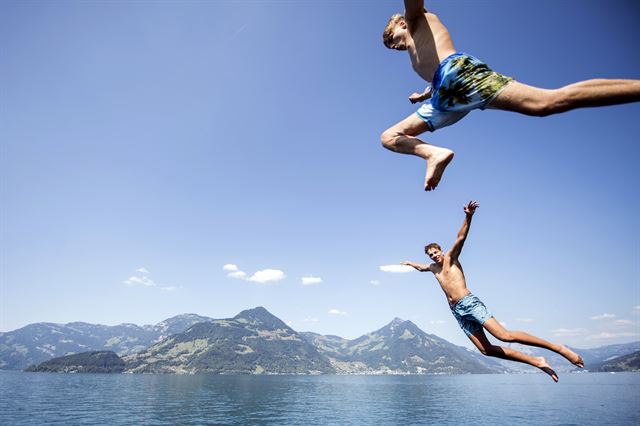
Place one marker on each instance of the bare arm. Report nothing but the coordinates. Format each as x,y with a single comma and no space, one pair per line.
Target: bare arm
413,9
419,266
456,248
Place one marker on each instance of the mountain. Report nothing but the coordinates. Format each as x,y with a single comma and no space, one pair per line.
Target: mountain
39,342
401,347
254,341
85,362
630,362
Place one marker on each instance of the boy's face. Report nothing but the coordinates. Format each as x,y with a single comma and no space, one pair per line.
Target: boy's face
435,254
398,36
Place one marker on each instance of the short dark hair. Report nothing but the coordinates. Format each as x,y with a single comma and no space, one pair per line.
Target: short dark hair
432,245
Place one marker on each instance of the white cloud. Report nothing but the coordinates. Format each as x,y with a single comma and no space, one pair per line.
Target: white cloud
142,270
437,322
144,281
374,282
267,275
524,319
603,316
396,269
311,319
636,309
169,288
237,274
566,332
336,312
262,276
607,335
311,280
623,322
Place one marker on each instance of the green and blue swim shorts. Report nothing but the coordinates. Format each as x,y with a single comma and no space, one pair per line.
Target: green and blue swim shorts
461,84
470,313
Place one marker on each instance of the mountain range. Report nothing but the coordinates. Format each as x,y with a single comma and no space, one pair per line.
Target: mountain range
40,342
255,341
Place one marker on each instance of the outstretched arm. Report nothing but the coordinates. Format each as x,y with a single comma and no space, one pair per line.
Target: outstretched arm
419,266
456,248
413,9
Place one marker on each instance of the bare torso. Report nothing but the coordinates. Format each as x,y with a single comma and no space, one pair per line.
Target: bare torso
431,43
451,278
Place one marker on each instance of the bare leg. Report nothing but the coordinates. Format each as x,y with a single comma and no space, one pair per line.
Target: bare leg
402,138
482,343
531,100
499,332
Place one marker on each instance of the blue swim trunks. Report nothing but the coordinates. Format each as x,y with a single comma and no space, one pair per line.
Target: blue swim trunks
470,313
461,84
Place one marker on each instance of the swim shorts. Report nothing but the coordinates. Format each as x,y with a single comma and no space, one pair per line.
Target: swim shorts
461,84
470,313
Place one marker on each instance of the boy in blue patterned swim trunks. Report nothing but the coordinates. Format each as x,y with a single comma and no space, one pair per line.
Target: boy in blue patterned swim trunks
473,316
461,83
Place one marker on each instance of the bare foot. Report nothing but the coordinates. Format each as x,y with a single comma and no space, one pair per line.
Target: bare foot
543,365
436,163
573,357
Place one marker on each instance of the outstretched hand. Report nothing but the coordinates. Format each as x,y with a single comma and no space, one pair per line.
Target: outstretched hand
419,97
415,97
470,208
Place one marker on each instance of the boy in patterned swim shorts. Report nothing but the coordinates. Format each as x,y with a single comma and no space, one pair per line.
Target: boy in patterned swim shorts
473,316
461,83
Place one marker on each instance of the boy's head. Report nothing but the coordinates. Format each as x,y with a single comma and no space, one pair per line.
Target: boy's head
434,251
394,33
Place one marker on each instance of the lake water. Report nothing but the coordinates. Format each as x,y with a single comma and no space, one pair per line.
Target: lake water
84,399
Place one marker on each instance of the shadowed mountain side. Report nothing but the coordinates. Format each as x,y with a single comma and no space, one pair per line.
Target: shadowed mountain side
39,342
630,362
253,341
86,362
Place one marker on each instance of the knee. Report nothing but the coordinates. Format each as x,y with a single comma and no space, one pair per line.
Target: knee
389,139
506,336
490,350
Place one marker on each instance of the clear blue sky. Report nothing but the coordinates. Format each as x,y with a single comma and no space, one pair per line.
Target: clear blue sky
145,145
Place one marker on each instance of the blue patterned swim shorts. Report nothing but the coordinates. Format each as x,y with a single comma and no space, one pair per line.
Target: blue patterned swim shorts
470,313
461,84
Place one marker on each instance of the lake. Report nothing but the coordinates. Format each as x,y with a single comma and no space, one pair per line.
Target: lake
92,399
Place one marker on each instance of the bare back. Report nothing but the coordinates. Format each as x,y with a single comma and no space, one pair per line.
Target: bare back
431,43
451,278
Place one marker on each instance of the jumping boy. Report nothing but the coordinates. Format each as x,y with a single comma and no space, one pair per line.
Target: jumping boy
461,83
472,315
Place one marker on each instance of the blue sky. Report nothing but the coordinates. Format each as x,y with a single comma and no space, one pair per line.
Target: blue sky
146,145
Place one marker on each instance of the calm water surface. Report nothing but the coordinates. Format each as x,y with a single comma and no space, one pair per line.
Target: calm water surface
91,399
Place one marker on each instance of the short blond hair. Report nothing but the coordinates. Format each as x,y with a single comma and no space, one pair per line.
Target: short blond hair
388,30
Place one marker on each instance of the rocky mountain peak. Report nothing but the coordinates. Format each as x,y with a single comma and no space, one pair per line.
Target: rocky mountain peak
260,316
